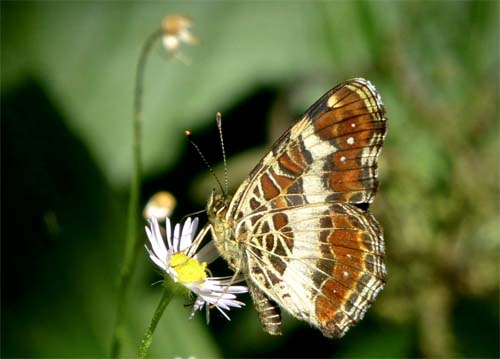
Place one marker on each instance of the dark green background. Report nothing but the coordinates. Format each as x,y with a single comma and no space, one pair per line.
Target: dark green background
67,73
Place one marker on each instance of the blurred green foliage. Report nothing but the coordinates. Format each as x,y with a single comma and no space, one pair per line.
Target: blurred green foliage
67,73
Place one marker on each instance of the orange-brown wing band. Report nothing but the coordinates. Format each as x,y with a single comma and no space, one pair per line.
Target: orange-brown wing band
329,155
322,262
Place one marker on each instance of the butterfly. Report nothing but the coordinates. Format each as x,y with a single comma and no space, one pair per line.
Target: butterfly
298,227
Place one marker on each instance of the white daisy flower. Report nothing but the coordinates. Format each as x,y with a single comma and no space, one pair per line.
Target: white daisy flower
180,259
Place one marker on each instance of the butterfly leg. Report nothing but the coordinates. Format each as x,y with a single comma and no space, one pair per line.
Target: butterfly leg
269,311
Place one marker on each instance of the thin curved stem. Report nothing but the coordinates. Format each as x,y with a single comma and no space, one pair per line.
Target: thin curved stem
148,336
131,243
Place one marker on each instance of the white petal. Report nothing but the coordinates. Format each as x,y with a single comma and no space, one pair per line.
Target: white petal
194,226
175,239
221,284
185,36
220,296
212,292
208,253
237,289
173,274
198,305
227,280
156,240
224,313
160,263
186,235
170,42
168,230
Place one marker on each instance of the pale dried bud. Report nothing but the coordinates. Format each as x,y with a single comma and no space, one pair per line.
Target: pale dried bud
177,30
160,206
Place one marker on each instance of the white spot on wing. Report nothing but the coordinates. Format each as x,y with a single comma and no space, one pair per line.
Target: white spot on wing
343,159
332,101
350,141
319,149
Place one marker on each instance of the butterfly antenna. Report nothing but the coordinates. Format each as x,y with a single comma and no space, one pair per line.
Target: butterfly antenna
219,126
188,135
192,214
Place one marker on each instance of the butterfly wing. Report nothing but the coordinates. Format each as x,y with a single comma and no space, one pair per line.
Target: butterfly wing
322,262
324,169
330,154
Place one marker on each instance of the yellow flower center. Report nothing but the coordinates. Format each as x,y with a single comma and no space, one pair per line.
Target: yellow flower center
188,269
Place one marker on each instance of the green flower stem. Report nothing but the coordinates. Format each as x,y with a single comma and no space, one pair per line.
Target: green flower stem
148,336
132,243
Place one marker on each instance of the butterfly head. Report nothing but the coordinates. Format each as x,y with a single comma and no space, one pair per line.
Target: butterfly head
217,205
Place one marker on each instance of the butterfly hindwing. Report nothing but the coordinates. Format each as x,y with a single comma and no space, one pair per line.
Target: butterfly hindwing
310,259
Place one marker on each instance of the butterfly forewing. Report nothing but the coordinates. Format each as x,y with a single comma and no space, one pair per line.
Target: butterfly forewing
330,154
297,226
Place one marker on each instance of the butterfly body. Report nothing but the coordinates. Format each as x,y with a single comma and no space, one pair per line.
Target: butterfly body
298,226
222,230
